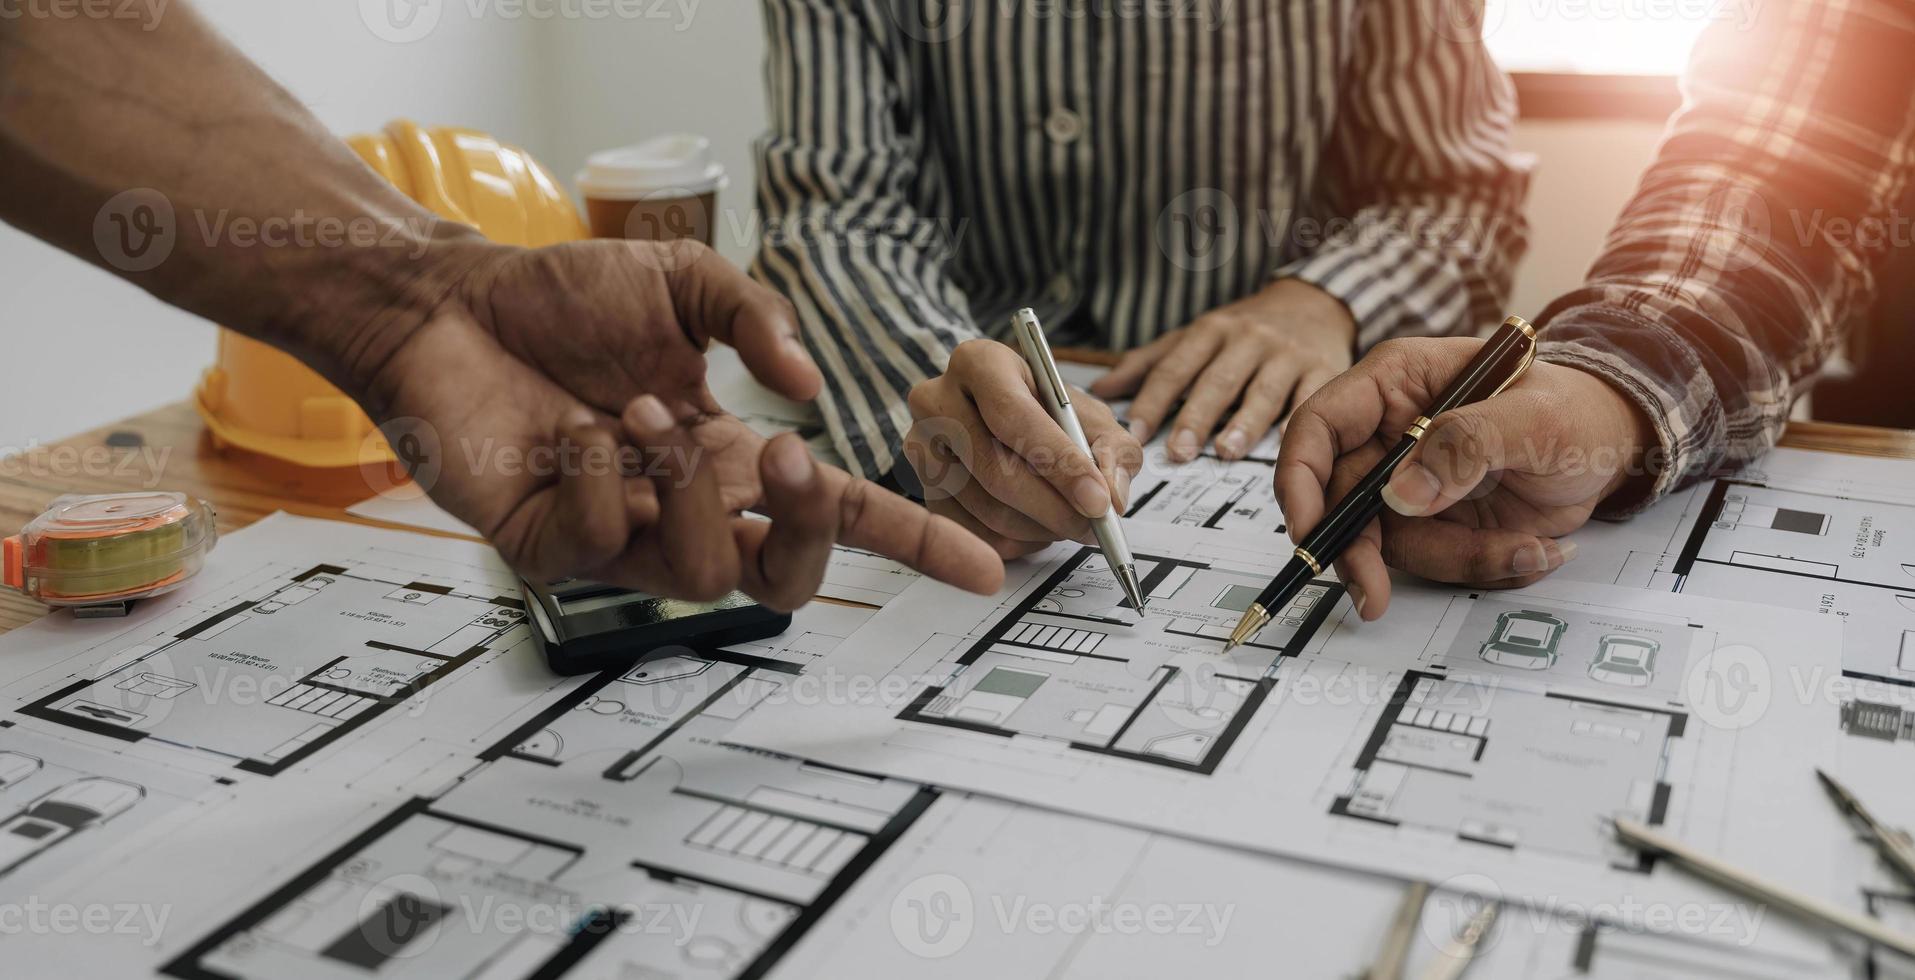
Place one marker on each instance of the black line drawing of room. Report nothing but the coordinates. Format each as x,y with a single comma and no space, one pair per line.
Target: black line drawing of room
618,797
267,682
1071,662
1463,756
1234,495
1841,556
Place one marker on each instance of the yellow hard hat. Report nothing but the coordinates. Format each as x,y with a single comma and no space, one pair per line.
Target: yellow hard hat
258,398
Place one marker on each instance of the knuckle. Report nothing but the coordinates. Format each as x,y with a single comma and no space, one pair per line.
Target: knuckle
852,502
970,354
923,397
1392,353
684,253
708,580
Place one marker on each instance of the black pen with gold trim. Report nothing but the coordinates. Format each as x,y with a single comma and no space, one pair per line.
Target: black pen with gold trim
1504,357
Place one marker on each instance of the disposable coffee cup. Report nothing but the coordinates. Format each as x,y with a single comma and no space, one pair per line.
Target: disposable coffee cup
660,190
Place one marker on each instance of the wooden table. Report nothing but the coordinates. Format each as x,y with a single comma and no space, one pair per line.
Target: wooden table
169,449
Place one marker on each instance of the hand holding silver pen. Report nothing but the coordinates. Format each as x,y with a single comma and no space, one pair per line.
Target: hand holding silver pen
1055,395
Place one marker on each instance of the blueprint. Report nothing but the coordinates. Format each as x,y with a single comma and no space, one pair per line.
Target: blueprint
979,887
1413,746
613,823
1833,535
477,818
1237,495
1830,535
335,753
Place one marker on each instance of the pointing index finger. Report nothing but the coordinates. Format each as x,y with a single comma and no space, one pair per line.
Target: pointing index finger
876,520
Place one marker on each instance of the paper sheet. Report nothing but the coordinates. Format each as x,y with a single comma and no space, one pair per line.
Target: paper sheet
496,812
464,810
408,507
984,888
1464,735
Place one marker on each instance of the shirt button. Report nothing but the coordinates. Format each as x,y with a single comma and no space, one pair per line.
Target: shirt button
1062,289
1064,126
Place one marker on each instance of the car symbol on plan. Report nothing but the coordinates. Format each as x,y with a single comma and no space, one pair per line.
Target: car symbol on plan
62,813
1524,640
15,766
1625,660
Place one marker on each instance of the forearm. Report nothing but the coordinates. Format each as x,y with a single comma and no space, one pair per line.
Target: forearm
1430,190
1713,355
877,314
844,236
265,222
1755,239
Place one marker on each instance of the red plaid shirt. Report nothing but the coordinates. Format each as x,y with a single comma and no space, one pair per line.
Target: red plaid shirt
1755,239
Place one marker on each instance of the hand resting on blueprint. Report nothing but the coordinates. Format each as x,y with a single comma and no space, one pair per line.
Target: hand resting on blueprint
1493,486
1234,369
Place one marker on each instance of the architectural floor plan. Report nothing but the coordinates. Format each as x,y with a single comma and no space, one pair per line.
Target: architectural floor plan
1523,689
1847,557
1795,530
64,806
335,754
1434,763
295,665
1236,495
1072,663
614,824
1417,742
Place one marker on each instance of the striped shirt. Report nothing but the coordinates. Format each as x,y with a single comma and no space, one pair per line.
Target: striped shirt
1754,241
1121,166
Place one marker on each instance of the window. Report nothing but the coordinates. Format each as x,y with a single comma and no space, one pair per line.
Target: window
1575,59
1602,37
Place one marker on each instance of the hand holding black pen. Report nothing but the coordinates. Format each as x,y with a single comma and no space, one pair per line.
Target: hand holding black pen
1503,359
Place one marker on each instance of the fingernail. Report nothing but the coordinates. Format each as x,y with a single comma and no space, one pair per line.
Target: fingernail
797,349
1231,443
1412,490
1357,598
1568,549
1530,559
1123,489
1184,446
1092,499
792,463
649,414
579,418
1140,432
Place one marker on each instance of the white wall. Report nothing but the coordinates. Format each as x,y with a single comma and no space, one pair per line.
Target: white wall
564,88
138,353
1586,172
618,82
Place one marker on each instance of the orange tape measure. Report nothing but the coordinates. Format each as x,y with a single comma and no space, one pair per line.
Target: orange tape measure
109,550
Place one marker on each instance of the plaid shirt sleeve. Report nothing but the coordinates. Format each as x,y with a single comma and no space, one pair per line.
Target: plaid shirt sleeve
1754,240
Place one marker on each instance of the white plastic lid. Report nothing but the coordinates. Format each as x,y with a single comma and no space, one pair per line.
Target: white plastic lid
679,165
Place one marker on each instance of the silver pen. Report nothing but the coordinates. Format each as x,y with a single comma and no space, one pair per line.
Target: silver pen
1056,397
